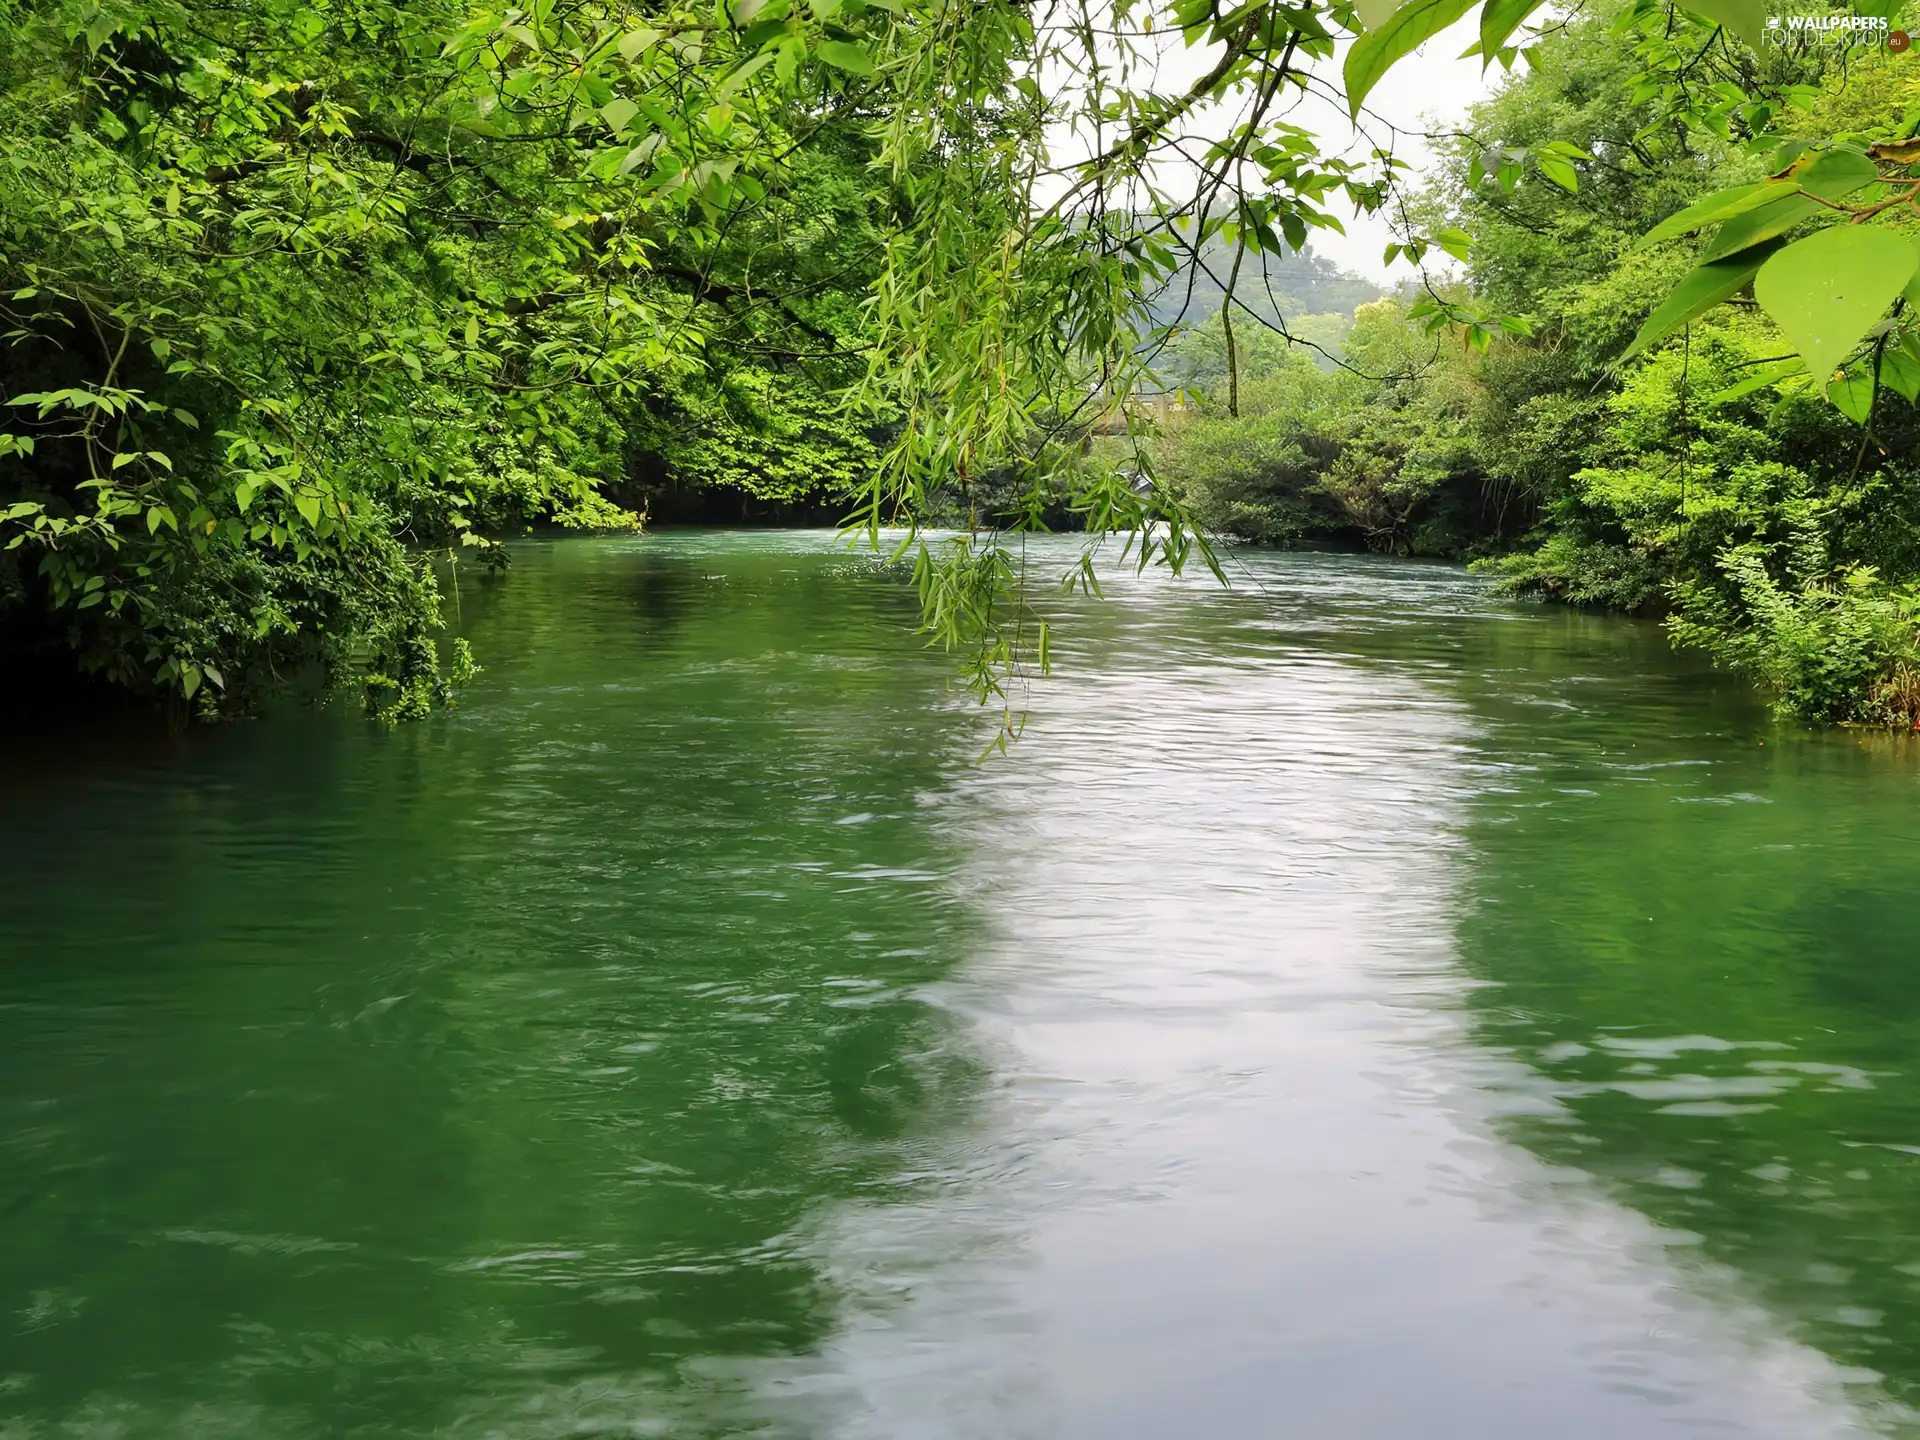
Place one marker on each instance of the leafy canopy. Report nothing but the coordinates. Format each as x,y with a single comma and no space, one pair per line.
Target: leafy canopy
294,283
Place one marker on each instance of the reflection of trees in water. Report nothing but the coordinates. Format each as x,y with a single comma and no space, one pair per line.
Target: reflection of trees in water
1702,946
483,1073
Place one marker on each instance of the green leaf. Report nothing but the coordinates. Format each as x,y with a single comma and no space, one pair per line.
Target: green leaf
1831,174
643,152
842,56
619,114
636,42
1760,379
1789,152
1409,27
1560,172
731,85
1913,285
1745,18
309,508
1826,291
1454,242
1900,369
473,331
1499,20
1756,226
1375,13
1852,394
1701,290
1719,206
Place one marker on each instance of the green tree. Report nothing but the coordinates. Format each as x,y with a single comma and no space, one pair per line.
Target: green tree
301,289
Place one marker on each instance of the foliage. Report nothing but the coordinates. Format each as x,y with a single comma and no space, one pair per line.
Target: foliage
1278,292
301,289
1823,239
296,293
256,359
1375,455
1828,645
1674,475
1725,487
759,431
1637,443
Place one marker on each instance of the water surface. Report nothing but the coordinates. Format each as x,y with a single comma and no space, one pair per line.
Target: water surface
1357,1007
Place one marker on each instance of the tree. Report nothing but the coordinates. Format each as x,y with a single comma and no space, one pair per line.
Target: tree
300,287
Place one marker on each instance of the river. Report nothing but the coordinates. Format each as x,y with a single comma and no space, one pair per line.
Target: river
1356,1007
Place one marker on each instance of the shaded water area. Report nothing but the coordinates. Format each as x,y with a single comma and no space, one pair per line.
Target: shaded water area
1358,1007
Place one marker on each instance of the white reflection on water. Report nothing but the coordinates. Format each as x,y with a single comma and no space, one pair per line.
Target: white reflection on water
1238,1175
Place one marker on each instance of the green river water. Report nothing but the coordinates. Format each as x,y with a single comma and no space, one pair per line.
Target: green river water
1357,1007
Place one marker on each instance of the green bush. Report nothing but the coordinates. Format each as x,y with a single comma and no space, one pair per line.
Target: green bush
1826,644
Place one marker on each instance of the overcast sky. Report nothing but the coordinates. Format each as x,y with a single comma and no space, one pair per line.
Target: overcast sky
1430,89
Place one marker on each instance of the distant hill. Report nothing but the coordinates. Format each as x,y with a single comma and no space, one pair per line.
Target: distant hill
1274,287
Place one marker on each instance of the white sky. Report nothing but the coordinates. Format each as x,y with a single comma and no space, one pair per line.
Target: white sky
1430,89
